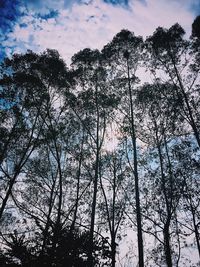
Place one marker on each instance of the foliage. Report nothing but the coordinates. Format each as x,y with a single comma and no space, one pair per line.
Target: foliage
67,197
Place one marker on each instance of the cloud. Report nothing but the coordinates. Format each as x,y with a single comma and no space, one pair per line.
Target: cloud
91,23
117,2
9,14
43,7
161,13
50,14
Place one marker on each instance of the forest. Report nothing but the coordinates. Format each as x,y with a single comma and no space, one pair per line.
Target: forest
102,151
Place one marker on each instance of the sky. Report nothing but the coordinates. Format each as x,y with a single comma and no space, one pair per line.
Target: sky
71,25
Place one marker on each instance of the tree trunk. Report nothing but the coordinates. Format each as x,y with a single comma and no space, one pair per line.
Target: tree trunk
190,113
167,244
166,234
96,176
77,187
196,231
113,250
45,235
135,163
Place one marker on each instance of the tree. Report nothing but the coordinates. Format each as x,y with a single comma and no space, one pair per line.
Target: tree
170,53
93,106
25,97
196,27
123,57
71,249
188,168
158,117
66,196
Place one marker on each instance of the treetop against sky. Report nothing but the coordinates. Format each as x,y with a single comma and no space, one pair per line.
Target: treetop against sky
71,25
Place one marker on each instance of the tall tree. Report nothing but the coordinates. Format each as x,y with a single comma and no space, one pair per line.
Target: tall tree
159,119
123,56
27,83
170,53
92,105
25,97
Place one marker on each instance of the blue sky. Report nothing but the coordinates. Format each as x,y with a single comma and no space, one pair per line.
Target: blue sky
71,25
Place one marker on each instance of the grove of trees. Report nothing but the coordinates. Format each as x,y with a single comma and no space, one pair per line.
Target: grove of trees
105,148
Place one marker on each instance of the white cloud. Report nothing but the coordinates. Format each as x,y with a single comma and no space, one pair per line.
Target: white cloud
95,24
43,7
161,13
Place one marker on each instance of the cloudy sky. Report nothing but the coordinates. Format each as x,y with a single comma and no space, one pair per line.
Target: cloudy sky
71,25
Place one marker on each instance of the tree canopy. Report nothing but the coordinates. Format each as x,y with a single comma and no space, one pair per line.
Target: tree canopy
93,156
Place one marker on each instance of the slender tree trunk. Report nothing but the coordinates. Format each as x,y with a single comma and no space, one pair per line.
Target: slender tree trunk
196,231
167,244
8,193
57,226
21,164
78,186
135,163
113,235
14,178
190,113
113,250
179,242
96,176
45,235
90,256
166,234
111,218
